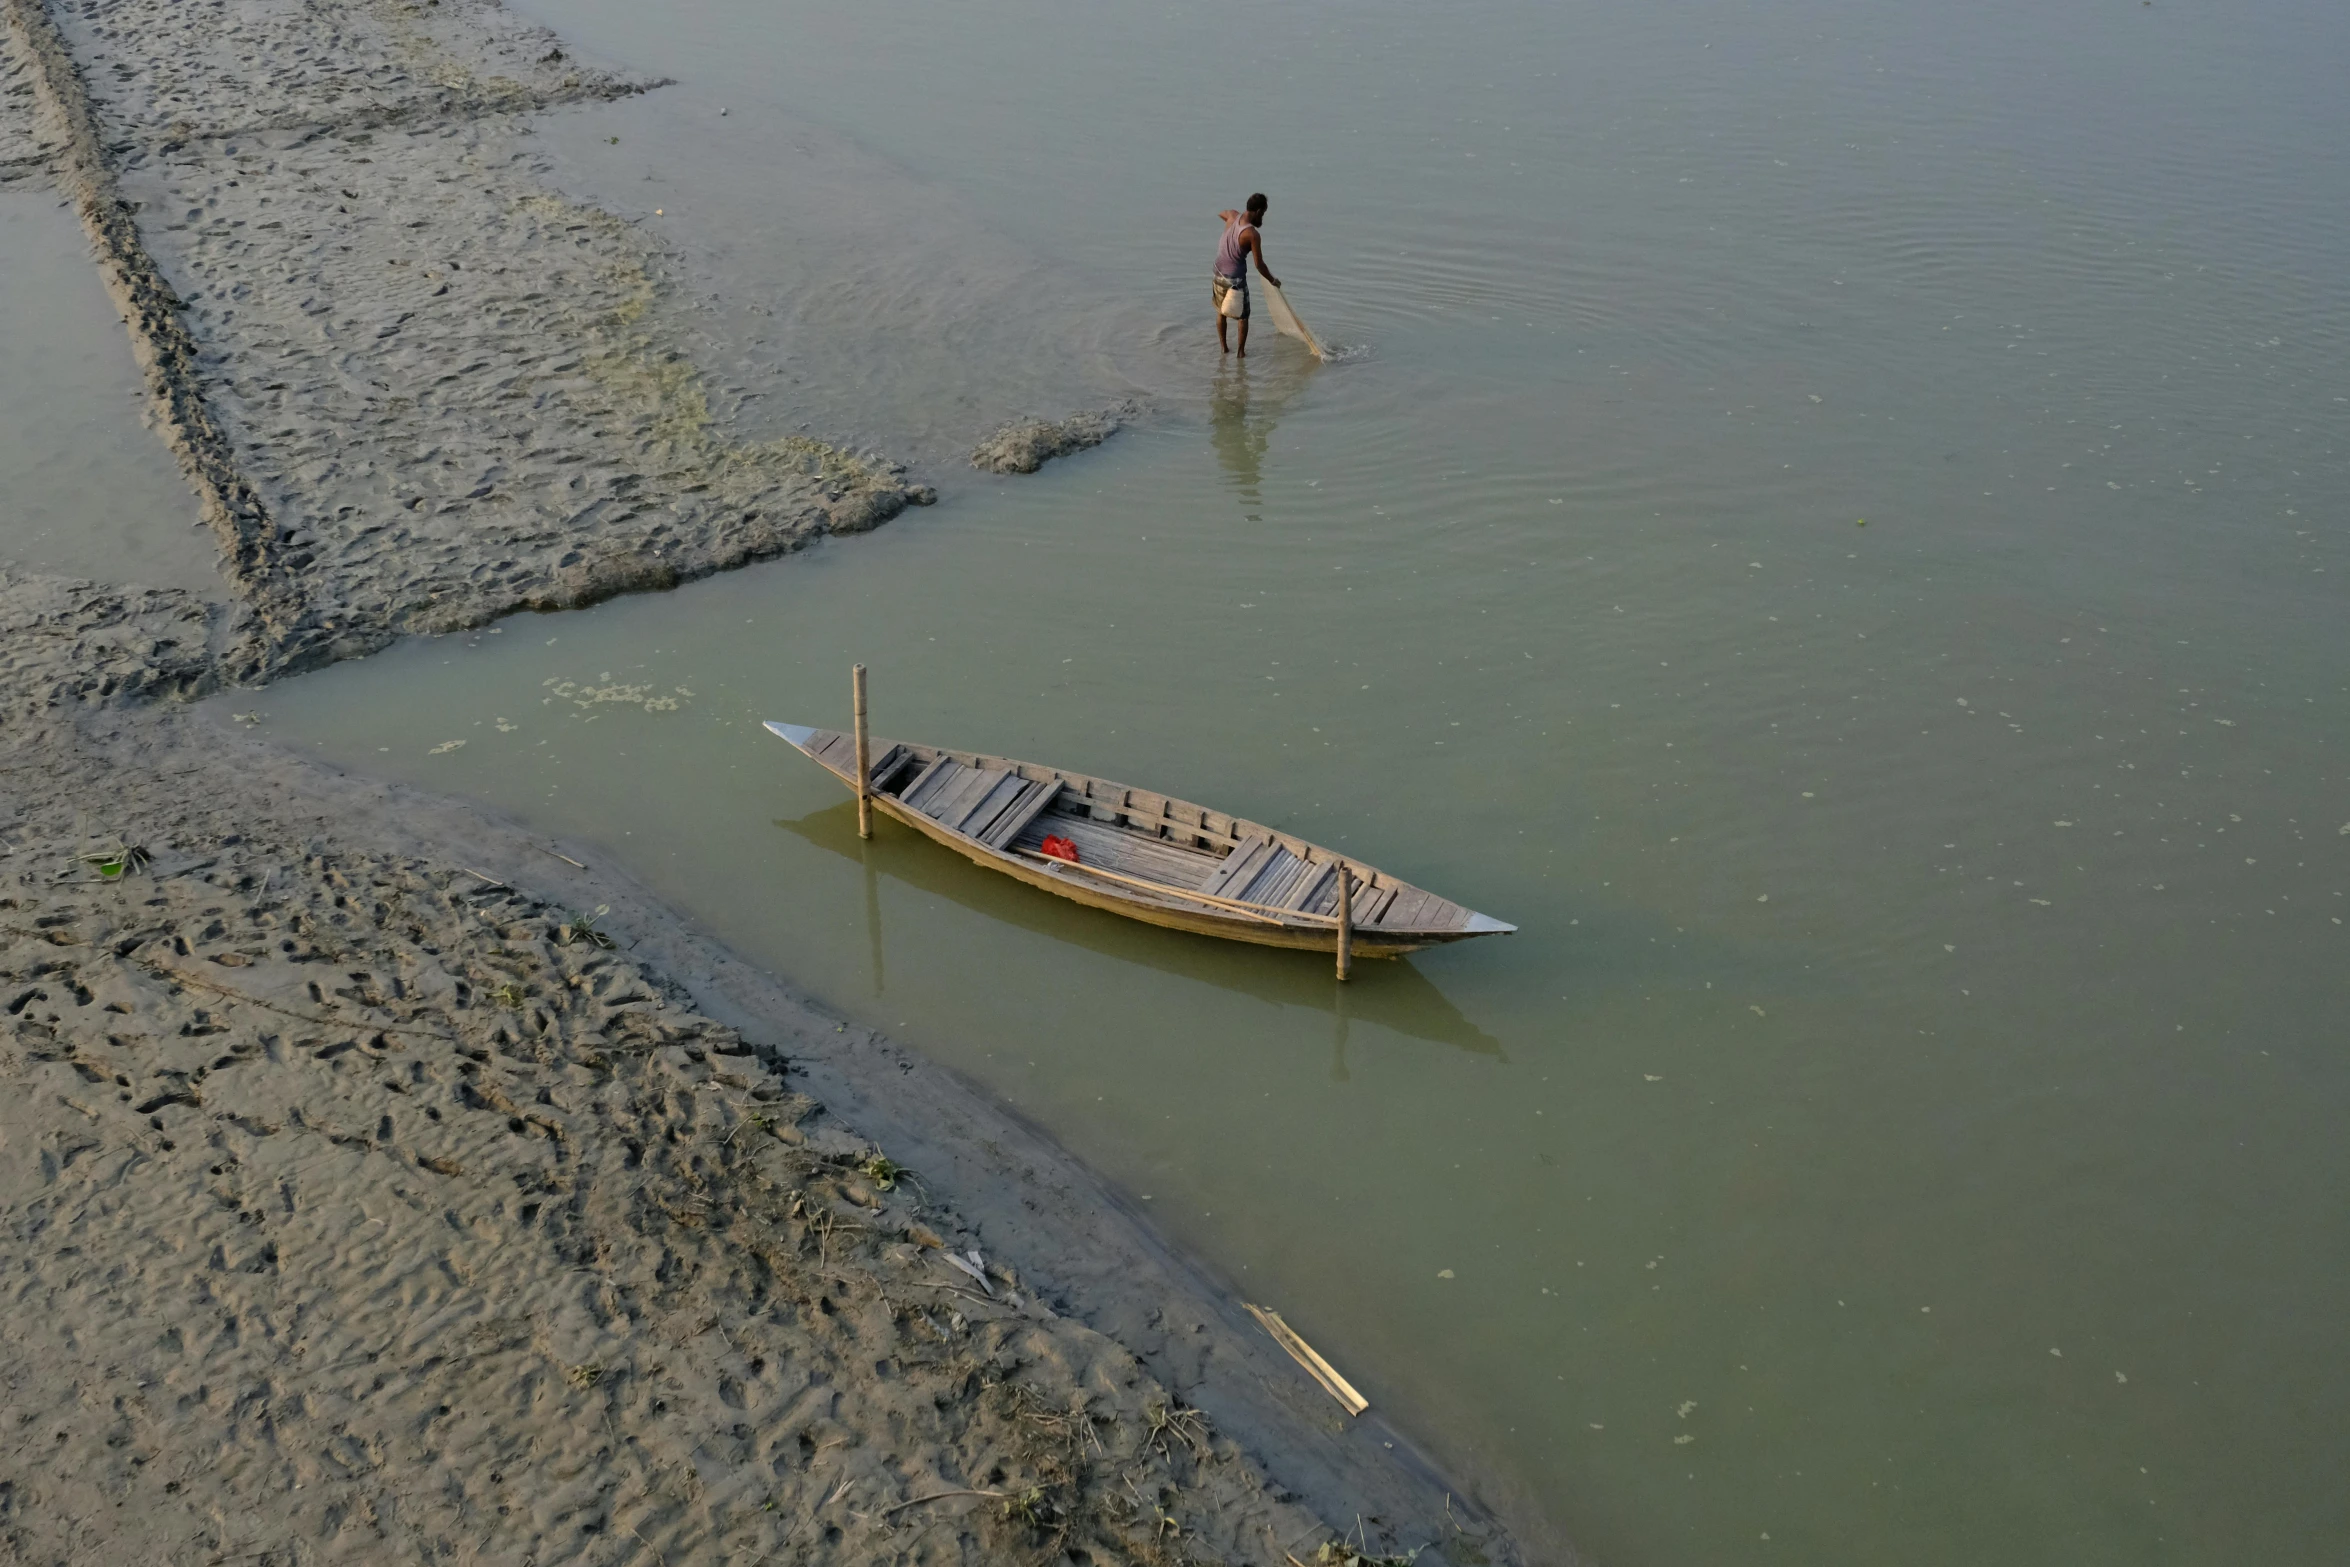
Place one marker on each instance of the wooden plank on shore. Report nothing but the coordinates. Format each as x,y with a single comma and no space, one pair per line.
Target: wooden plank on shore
1315,1366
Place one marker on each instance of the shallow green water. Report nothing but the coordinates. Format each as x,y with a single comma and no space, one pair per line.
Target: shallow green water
1906,1127
84,490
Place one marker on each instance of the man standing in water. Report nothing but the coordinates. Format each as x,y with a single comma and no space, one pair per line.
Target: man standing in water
1241,241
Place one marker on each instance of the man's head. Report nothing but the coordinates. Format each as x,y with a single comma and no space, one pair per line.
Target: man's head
1256,207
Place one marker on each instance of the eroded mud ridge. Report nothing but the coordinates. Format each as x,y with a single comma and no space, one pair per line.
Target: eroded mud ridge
385,1192
1025,445
414,385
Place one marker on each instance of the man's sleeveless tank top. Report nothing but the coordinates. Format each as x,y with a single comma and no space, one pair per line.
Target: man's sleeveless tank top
1232,255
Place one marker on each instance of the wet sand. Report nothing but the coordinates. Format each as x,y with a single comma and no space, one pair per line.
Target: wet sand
362,1193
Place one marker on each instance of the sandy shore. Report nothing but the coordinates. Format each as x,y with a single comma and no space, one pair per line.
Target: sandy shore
363,1201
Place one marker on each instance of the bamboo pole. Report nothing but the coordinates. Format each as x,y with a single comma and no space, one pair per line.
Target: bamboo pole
1346,922
1247,911
1265,912
1304,1354
864,755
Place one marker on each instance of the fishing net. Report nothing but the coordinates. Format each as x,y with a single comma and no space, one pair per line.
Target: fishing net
1285,321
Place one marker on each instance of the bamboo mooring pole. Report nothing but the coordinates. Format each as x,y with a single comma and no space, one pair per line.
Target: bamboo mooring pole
864,755
1346,922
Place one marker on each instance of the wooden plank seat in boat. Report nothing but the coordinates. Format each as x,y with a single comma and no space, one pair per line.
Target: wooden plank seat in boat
1148,856
986,803
1269,874
1130,853
1259,872
1240,866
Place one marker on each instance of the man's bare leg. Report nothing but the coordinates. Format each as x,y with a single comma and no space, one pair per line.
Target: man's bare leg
1244,337
1224,342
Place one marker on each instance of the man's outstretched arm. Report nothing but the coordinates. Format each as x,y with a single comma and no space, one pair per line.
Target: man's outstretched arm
1256,245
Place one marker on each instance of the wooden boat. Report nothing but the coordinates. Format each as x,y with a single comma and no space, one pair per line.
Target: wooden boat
1401,1000
1143,855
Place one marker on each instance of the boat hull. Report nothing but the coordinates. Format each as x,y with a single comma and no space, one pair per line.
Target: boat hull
1199,922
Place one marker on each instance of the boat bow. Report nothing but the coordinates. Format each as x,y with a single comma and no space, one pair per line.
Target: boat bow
797,734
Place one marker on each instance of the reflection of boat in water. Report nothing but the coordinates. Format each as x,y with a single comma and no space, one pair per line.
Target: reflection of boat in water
1385,995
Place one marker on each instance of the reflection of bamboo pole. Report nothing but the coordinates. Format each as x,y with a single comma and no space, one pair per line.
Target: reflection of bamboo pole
864,755
1338,1016
873,917
1346,921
